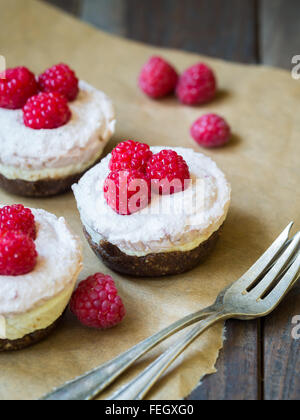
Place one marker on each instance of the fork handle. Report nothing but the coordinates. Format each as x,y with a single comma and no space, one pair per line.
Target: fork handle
89,385
141,385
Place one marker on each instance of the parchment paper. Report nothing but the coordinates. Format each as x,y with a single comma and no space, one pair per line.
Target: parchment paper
262,163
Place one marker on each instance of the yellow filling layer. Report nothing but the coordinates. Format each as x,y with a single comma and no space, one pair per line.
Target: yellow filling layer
14,327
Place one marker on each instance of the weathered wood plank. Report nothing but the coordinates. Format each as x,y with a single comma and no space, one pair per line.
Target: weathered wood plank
70,6
282,351
279,33
108,15
238,366
279,39
212,27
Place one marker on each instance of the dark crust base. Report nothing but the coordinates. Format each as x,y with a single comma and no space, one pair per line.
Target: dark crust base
28,340
152,265
42,188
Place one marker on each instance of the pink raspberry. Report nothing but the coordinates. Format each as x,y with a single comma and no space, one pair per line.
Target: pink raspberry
96,302
127,192
17,87
46,111
18,218
130,155
169,172
197,85
158,78
18,254
211,131
61,79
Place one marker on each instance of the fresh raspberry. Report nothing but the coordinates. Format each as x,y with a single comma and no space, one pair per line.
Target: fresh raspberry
197,85
96,302
127,192
211,131
130,155
168,172
46,111
18,218
62,79
16,87
158,78
18,254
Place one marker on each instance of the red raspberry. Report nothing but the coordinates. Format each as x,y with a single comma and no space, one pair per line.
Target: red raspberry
158,78
18,254
127,192
62,79
18,85
46,111
18,218
168,167
197,85
96,302
130,155
211,131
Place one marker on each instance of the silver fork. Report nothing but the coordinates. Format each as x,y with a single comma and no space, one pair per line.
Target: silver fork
238,301
271,265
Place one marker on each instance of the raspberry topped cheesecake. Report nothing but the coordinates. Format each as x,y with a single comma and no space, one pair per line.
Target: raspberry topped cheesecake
53,128
40,260
165,232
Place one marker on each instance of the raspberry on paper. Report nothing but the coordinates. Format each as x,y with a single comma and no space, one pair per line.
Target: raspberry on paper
197,85
211,130
158,78
96,302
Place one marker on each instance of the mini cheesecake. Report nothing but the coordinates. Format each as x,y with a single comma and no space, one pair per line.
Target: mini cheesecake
31,305
171,236
46,162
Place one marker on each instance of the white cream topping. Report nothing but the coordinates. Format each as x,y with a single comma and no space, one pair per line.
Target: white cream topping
32,175
180,221
78,142
59,262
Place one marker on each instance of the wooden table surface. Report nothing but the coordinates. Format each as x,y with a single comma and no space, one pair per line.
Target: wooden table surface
260,359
